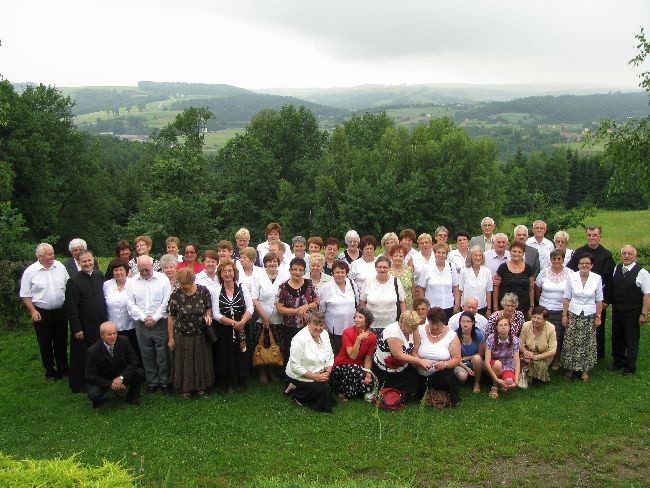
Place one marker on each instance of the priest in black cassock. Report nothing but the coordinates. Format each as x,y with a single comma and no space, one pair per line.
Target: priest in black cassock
86,309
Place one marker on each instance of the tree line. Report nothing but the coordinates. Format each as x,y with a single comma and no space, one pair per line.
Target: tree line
57,182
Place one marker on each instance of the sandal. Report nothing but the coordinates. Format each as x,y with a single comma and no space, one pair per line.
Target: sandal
202,394
494,393
476,389
584,376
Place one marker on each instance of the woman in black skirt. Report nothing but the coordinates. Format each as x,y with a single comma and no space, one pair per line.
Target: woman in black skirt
234,310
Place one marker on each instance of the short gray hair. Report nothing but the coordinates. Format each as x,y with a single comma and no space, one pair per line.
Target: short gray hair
77,242
351,234
299,239
168,259
518,227
561,233
510,297
40,249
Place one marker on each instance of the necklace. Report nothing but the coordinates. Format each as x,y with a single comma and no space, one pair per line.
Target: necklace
434,336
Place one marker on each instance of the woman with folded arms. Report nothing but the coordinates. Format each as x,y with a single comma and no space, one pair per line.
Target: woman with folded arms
349,380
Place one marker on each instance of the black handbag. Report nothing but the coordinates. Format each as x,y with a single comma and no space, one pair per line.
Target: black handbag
210,334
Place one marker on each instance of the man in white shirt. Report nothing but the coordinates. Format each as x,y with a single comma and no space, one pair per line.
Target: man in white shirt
497,256
42,291
146,298
486,240
469,305
629,295
541,243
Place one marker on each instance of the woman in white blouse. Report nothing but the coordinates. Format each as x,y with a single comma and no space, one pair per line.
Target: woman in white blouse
561,241
439,344
475,280
264,291
310,363
439,284
339,300
549,291
582,306
115,296
383,294
363,268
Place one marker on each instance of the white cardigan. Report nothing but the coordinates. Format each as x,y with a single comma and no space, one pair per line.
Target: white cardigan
308,355
583,299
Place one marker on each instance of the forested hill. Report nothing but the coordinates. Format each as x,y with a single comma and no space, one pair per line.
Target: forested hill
566,108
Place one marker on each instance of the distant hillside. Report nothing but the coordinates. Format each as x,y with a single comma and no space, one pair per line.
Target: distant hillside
151,105
568,109
373,96
237,110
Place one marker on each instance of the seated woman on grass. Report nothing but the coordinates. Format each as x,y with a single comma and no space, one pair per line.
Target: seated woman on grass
310,364
349,378
472,350
395,359
538,345
502,358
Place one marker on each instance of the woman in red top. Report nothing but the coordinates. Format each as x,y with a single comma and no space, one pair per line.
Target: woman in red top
351,377
190,255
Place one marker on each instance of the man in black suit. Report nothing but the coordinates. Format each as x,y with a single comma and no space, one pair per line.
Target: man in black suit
112,364
86,310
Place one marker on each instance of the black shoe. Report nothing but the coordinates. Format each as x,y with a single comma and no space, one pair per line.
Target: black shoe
152,389
133,401
97,403
169,389
614,367
627,372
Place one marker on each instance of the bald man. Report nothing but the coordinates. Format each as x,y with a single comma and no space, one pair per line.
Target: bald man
112,364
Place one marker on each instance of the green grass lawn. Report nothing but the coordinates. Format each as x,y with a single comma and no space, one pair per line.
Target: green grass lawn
566,433
620,227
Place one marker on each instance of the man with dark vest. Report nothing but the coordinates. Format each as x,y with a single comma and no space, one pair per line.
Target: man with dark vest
112,365
603,264
630,299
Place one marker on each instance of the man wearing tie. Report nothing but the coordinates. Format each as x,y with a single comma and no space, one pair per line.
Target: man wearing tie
112,364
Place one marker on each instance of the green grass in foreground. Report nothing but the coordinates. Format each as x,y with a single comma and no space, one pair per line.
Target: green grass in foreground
566,433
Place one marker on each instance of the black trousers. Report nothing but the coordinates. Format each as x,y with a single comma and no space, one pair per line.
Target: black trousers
96,392
626,333
52,337
600,336
133,340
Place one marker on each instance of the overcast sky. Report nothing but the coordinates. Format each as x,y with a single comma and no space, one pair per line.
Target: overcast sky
301,43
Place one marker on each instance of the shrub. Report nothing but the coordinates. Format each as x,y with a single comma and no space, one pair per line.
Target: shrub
62,472
12,311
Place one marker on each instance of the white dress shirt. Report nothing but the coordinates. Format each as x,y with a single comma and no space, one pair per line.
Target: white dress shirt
265,292
457,259
116,305
339,306
307,355
479,320
421,265
148,297
475,286
583,298
45,286
360,271
438,285
493,260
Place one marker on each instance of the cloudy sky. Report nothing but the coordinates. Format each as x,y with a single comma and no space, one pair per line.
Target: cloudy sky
301,43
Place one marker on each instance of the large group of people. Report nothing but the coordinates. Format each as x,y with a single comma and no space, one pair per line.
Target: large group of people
340,324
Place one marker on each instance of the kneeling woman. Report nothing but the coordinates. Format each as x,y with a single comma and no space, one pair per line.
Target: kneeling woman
471,349
502,358
538,345
309,366
349,379
439,344
395,352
